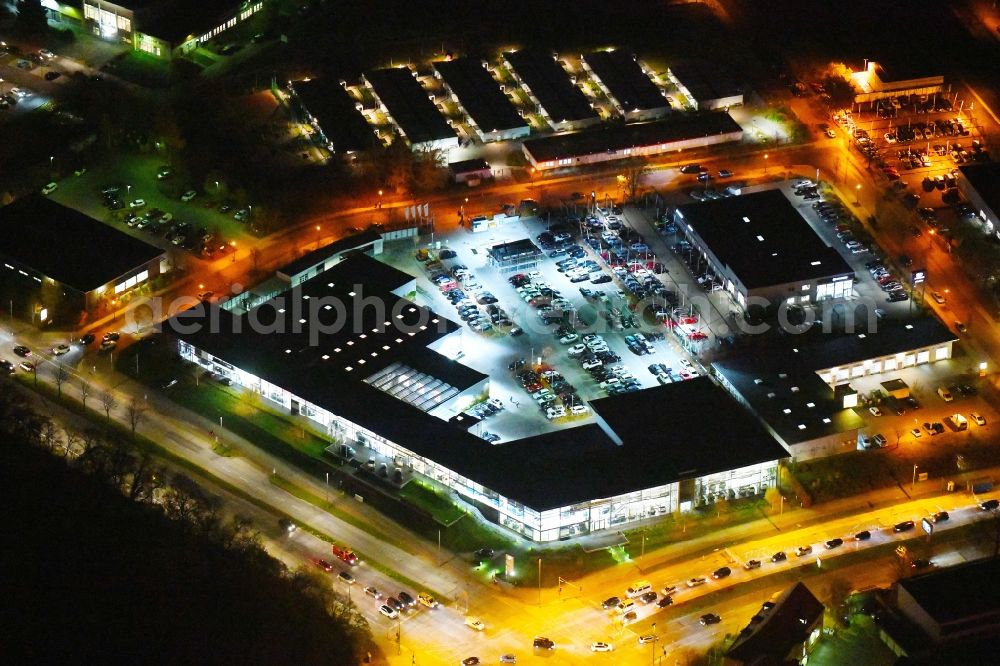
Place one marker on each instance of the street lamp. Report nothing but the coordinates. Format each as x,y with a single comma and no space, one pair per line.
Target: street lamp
857,194
653,660
765,163
380,199
233,245
317,236
914,481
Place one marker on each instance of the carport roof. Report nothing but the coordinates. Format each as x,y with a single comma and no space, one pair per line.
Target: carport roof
68,246
763,240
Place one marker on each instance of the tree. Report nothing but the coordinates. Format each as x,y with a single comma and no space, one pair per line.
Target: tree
108,402
60,376
631,179
837,594
430,173
84,391
134,412
32,17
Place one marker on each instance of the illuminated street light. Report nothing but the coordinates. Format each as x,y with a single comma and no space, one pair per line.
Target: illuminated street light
857,194
765,163
233,244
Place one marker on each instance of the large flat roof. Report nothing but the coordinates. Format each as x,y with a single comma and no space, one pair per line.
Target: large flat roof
550,84
176,20
763,239
68,246
409,104
889,337
705,80
334,110
622,76
951,594
479,94
985,178
793,400
552,470
612,138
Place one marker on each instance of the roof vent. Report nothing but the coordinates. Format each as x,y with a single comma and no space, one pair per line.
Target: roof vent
795,389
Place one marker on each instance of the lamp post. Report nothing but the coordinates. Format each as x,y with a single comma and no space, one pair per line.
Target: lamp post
317,236
539,581
914,481
765,163
380,199
653,660
857,194
233,245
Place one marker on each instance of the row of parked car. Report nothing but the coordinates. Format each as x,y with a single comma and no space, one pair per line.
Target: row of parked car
887,281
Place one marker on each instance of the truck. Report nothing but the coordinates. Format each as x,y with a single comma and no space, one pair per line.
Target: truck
344,554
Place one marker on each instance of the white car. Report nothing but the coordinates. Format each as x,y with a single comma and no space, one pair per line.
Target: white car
567,339
20,93
978,418
555,413
59,350
137,203
187,196
591,365
45,53
241,215
50,188
875,411
600,646
388,611
579,410
475,623
427,600
576,350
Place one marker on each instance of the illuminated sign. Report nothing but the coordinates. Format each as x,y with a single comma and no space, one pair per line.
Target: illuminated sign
919,276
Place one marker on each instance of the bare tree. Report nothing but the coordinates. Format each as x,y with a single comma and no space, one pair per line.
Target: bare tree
837,595
147,477
60,376
108,402
631,179
84,391
134,412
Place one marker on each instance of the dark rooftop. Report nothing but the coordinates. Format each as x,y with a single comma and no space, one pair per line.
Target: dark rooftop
479,94
622,76
611,138
891,336
550,84
706,80
763,240
341,245
894,70
513,250
68,246
776,631
334,110
408,103
790,398
691,428
961,592
985,178
465,166
176,20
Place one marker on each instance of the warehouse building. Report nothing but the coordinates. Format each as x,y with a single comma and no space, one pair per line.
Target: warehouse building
164,28
407,104
61,265
623,80
682,131
493,115
980,183
764,251
548,86
801,389
381,379
706,85
334,114
880,81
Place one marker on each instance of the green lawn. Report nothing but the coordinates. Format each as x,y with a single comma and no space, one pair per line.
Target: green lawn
141,68
432,501
858,645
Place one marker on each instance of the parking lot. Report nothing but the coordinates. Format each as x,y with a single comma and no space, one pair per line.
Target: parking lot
593,346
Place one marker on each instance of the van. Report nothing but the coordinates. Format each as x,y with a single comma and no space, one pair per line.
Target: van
638,589
945,394
626,606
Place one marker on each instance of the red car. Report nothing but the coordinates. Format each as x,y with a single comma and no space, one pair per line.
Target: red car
322,564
